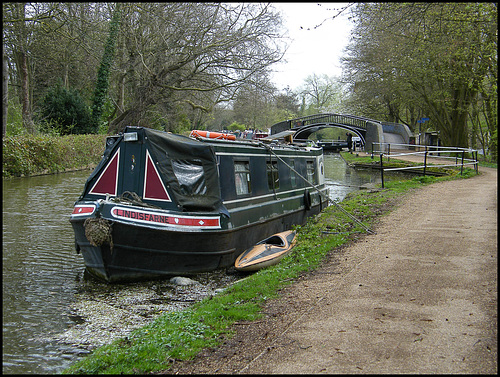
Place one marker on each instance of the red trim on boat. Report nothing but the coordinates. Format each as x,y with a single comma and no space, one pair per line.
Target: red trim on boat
81,210
154,189
150,217
107,182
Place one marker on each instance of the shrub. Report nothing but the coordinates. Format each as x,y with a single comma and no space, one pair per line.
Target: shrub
235,126
65,111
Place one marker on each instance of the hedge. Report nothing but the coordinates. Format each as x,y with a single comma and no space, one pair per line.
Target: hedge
33,155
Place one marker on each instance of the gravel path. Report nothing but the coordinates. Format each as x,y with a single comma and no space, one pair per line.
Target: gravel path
420,296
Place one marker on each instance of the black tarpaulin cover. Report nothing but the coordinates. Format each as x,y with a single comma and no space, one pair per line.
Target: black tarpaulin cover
189,168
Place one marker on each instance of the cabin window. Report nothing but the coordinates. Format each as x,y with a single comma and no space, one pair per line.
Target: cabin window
310,171
191,176
273,181
242,178
293,175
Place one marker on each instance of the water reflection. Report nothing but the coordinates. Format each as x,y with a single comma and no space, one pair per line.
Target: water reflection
342,179
40,269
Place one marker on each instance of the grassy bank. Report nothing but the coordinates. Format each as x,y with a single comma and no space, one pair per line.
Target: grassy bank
181,335
33,155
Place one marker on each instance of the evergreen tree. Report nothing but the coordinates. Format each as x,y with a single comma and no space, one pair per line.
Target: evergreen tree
65,111
101,89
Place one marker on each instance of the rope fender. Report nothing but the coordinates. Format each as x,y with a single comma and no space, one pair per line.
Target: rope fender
98,232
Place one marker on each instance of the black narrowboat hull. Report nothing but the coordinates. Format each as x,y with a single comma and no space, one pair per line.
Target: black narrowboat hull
142,252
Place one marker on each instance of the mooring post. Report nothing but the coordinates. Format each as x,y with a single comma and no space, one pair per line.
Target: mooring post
425,159
382,168
462,166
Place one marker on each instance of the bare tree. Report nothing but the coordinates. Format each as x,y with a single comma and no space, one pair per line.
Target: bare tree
197,54
19,21
322,93
254,104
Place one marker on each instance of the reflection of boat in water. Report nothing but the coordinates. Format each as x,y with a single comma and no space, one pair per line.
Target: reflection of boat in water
266,252
162,204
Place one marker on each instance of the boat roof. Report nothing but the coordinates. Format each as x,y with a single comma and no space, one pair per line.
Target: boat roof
273,143
279,135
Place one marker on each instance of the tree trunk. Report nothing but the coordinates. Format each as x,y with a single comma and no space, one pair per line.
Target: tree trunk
131,117
25,93
5,94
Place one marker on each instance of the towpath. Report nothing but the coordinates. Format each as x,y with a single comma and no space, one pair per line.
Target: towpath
419,296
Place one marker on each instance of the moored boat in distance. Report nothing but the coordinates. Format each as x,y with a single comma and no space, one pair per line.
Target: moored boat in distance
267,252
161,204
332,145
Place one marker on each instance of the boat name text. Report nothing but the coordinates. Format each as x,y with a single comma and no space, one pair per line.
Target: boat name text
166,220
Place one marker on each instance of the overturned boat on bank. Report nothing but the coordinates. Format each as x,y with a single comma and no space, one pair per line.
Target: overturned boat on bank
161,204
267,252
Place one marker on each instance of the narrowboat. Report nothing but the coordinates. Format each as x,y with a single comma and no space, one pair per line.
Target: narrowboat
161,204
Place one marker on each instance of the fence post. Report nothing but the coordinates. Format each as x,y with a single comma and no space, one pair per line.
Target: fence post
476,164
382,168
388,151
462,166
372,150
425,159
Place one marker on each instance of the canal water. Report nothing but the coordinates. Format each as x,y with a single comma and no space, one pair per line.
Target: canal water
46,293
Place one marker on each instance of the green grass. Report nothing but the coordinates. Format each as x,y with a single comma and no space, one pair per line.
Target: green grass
488,164
182,335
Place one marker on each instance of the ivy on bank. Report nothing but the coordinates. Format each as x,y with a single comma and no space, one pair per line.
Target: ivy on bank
31,155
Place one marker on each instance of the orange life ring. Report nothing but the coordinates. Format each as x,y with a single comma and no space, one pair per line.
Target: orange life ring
212,135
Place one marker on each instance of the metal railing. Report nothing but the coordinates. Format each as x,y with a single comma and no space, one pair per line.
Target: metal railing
461,156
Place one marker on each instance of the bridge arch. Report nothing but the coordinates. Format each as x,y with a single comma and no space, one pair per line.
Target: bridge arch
369,130
305,131
304,126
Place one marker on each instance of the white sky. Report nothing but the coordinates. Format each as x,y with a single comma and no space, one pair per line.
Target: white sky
314,50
